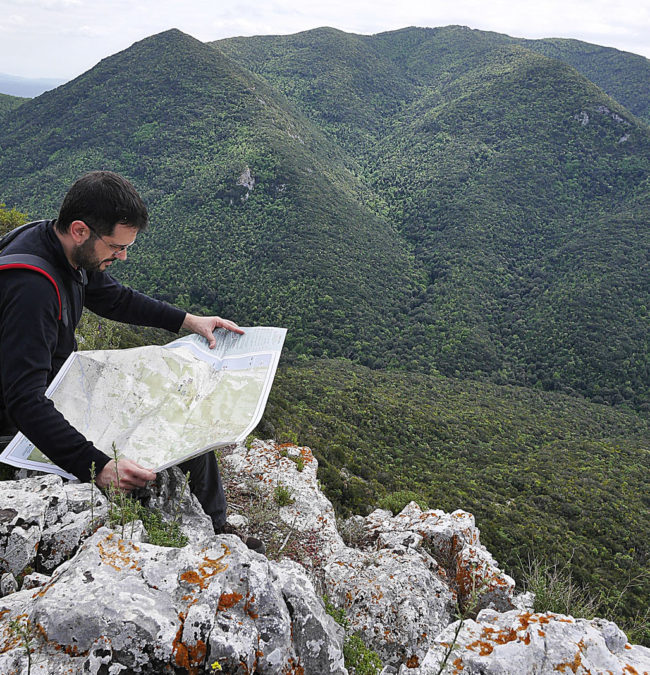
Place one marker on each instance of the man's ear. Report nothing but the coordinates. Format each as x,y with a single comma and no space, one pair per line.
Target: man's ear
79,231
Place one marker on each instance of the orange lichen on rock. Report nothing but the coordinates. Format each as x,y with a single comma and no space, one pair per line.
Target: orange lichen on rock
627,668
248,607
485,648
118,557
491,637
190,657
412,662
207,569
458,665
293,668
571,665
228,600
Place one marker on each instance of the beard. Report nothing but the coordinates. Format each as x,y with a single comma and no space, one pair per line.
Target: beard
84,256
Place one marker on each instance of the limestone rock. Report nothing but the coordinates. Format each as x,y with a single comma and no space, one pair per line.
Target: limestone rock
518,642
453,541
43,521
8,584
35,580
150,609
269,465
393,597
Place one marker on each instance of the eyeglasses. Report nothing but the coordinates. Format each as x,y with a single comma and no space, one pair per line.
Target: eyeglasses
117,248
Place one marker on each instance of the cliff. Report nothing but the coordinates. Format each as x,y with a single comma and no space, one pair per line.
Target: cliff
105,600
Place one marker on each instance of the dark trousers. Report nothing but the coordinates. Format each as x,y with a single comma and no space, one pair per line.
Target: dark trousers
205,484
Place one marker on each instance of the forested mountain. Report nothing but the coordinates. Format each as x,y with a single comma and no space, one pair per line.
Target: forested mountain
468,209
9,102
520,185
265,221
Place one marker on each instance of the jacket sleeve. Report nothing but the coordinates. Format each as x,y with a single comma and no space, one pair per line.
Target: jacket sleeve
108,298
28,338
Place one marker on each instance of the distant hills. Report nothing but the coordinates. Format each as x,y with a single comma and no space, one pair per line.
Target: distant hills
453,225
511,175
27,87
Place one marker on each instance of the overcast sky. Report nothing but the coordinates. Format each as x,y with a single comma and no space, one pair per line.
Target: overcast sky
63,38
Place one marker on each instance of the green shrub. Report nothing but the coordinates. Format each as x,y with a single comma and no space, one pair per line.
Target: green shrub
282,496
396,501
556,591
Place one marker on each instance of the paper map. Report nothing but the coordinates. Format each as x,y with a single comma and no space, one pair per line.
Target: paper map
162,405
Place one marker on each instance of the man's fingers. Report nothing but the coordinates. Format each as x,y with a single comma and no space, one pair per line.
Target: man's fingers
232,326
127,475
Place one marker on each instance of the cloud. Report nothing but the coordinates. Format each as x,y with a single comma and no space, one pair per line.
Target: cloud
94,29
47,4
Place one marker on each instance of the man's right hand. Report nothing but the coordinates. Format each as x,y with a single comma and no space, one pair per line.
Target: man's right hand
131,475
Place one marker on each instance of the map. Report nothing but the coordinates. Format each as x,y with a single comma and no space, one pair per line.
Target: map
162,405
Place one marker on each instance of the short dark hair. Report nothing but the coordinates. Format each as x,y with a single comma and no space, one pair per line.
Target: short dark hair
102,199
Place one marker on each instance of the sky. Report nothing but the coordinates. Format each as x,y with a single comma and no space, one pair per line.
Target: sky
64,38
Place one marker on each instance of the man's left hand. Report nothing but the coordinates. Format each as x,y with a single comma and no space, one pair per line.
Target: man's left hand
205,325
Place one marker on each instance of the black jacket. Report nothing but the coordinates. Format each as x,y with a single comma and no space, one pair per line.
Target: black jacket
34,343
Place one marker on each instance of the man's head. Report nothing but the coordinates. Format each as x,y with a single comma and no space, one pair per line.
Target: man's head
102,199
100,217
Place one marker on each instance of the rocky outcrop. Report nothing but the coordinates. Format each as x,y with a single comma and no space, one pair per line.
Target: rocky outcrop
519,642
99,600
400,584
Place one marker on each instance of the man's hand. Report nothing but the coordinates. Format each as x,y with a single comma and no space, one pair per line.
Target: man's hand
204,325
131,475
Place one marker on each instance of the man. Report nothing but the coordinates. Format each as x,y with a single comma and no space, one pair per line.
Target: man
99,220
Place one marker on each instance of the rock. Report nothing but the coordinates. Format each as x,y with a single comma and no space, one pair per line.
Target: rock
518,642
116,605
238,521
524,601
453,541
35,580
8,584
267,465
44,521
150,609
318,639
393,597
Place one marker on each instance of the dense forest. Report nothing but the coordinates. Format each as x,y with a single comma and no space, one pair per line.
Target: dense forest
453,226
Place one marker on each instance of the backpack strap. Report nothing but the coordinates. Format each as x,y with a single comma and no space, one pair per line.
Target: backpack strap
10,236
25,261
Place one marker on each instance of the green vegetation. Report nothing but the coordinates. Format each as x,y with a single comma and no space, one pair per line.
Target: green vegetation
519,186
23,629
124,508
546,475
357,657
8,102
282,496
10,219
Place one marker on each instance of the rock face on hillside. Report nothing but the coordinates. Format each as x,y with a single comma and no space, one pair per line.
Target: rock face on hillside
97,600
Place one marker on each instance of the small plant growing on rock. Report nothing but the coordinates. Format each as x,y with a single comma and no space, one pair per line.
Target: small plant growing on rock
282,496
556,591
396,501
124,509
358,658
23,630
